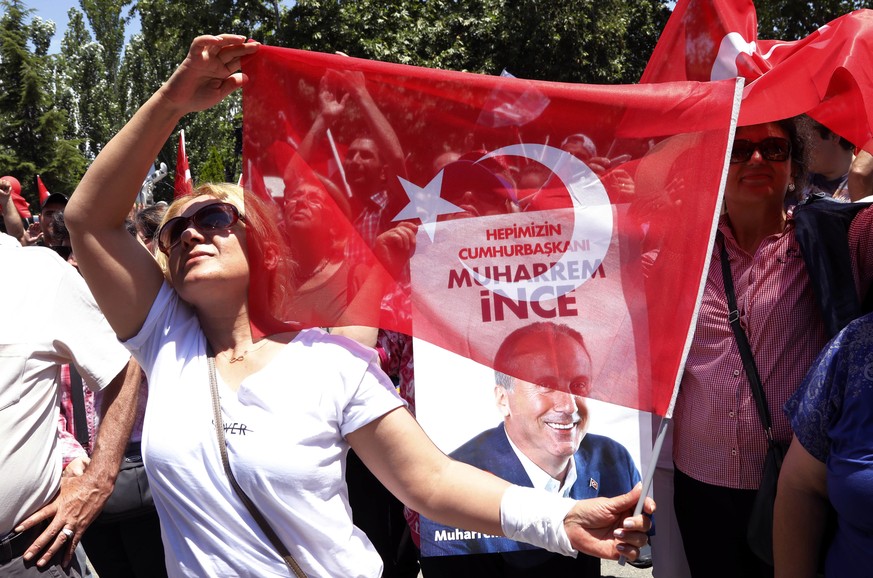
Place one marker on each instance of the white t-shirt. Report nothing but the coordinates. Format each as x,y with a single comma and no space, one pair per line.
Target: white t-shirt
285,431
48,318
8,241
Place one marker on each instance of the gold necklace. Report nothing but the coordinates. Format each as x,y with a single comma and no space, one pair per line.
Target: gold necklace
232,359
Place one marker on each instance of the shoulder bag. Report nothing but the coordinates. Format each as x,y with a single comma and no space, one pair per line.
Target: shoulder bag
760,529
250,506
131,496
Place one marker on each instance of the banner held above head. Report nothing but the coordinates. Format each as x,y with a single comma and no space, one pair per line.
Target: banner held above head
827,75
405,205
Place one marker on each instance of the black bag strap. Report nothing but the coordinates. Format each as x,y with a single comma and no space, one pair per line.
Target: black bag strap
77,396
250,506
743,343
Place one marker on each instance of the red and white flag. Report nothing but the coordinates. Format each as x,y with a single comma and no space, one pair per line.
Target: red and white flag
183,184
828,74
460,207
43,191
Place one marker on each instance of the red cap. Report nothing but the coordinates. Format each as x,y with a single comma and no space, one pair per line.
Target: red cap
19,201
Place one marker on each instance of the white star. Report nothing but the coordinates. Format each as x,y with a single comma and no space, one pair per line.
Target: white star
426,204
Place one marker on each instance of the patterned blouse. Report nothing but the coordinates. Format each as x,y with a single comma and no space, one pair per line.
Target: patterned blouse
832,416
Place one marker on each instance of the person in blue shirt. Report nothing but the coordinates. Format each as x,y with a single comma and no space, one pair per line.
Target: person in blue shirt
830,460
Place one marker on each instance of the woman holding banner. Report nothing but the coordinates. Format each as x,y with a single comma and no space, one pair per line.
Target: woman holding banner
719,440
291,402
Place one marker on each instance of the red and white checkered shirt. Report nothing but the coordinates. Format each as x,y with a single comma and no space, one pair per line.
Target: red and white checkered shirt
718,437
370,221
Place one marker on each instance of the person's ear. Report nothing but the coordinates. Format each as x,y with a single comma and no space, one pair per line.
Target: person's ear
501,396
271,256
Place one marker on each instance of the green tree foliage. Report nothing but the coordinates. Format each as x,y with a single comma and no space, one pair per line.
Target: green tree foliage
604,41
33,139
167,29
213,169
795,19
86,91
108,24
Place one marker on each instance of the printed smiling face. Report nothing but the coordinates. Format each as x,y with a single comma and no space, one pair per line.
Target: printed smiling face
547,419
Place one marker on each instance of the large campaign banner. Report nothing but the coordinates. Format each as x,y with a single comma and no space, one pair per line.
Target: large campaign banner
463,208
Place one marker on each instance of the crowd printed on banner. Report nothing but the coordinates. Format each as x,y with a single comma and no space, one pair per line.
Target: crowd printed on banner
523,249
521,232
459,534
538,272
559,253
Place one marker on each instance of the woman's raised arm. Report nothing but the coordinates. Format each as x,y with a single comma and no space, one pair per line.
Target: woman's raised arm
402,457
122,275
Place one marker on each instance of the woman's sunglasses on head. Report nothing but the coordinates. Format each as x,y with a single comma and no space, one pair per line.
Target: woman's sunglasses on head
214,217
773,149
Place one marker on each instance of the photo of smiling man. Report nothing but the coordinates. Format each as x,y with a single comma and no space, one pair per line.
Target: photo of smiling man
543,443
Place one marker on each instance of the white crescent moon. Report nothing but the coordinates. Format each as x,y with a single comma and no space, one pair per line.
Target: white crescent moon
592,224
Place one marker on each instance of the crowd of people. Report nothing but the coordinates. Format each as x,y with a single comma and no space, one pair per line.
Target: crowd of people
271,449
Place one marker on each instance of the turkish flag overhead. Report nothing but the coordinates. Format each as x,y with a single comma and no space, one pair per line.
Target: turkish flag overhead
460,207
828,74
183,184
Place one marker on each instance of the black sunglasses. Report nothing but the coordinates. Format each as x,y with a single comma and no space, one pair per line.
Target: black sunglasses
214,217
773,149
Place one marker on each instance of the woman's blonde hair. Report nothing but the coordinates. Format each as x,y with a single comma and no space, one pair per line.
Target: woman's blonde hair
270,266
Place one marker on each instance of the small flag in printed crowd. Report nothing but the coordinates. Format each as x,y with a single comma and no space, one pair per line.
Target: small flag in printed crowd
459,208
828,74
43,191
183,184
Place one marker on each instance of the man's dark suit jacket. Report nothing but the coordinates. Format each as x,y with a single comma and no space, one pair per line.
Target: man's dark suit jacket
604,468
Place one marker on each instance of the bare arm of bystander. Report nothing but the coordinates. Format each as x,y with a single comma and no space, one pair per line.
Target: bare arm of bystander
799,515
82,497
11,219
